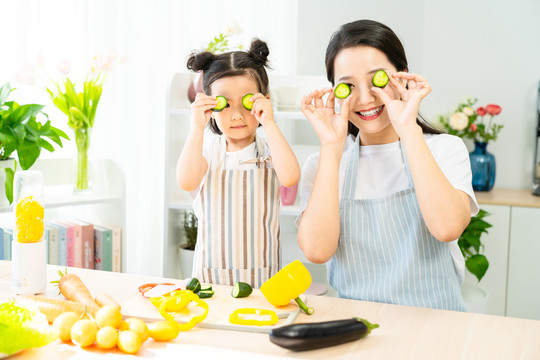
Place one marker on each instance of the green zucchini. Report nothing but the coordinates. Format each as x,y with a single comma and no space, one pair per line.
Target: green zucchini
309,336
380,79
204,294
221,103
246,102
342,91
241,289
194,285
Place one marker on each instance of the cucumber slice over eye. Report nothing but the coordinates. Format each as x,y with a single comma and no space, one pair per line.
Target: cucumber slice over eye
246,102
380,79
221,103
342,91
241,289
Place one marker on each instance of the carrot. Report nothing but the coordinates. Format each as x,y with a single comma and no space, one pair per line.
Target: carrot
51,308
104,299
72,287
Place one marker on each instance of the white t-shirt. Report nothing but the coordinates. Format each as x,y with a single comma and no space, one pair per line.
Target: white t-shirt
382,171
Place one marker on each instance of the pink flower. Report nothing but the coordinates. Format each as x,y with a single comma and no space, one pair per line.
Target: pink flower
493,109
473,127
481,111
64,67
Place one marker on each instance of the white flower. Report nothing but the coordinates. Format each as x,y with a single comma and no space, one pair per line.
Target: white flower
25,77
459,121
467,110
233,28
64,67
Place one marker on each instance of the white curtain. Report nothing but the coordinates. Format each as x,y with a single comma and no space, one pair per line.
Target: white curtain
156,37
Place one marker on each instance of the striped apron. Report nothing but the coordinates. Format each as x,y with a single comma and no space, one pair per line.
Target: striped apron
386,252
239,233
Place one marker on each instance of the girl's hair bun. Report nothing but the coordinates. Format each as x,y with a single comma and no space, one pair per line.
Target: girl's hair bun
200,61
259,51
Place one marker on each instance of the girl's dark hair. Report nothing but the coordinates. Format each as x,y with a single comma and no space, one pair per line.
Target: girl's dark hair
379,36
252,62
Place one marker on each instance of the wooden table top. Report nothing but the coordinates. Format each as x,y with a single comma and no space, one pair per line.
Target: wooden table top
508,197
404,332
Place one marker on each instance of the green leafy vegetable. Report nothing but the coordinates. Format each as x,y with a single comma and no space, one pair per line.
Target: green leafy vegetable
21,328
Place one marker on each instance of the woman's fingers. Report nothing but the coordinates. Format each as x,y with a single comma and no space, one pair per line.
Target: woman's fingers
382,94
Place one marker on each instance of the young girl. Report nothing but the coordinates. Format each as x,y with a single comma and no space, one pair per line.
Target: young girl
387,196
233,177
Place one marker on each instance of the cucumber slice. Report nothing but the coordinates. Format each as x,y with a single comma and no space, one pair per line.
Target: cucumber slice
342,91
194,285
221,103
206,287
380,79
205,294
241,289
246,102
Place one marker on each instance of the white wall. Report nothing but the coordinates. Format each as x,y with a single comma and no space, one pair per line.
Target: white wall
487,49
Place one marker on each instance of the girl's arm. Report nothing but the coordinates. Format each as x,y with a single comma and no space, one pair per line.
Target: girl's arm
283,158
446,210
192,165
318,231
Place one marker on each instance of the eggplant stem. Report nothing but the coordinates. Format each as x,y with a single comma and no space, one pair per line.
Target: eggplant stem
369,325
304,307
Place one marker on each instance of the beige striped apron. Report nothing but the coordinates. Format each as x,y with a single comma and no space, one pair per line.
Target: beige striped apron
239,234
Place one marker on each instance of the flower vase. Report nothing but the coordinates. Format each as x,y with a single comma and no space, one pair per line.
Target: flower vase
82,138
483,167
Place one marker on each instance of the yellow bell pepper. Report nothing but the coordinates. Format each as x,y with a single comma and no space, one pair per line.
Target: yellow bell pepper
237,318
291,281
177,301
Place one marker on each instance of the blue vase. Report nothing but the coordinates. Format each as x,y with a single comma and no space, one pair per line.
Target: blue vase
483,167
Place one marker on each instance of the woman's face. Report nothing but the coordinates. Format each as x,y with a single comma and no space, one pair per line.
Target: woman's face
356,66
235,122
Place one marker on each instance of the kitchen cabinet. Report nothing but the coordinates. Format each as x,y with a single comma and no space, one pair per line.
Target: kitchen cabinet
513,249
103,204
292,123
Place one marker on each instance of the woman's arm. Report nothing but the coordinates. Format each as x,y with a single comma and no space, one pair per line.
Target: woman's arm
445,209
283,158
192,165
318,231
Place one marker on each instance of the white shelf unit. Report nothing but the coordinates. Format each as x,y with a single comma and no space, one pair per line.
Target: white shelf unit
293,124
103,204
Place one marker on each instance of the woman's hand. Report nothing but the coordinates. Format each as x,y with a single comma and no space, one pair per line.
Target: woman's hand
403,112
329,126
262,109
201,110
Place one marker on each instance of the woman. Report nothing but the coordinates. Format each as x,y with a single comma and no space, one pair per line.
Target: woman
385,199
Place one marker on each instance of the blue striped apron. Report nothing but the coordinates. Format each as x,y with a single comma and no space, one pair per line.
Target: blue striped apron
387,254
239,233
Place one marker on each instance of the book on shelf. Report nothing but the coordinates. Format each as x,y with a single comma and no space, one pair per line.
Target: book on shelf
8,238
116,246
61,233
51,236
84,235
71,247
2,256
103,248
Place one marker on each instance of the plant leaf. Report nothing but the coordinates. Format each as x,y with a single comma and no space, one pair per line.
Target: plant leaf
477,265
10,174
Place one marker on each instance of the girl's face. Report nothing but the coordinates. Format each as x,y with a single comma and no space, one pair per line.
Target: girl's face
356,66
235,122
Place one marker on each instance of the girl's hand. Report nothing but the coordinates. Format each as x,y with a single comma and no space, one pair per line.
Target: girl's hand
262,109
201,110
329,126
403,112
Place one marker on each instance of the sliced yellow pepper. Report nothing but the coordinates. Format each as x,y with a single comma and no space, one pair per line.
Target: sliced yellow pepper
236,317
288,283
177,301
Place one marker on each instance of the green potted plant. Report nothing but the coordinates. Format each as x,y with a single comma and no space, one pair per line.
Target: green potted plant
185,250
21,132
471,245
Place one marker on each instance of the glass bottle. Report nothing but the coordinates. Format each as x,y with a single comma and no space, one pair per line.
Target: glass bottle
29,249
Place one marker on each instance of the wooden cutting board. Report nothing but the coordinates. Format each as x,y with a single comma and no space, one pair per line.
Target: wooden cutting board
220,306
